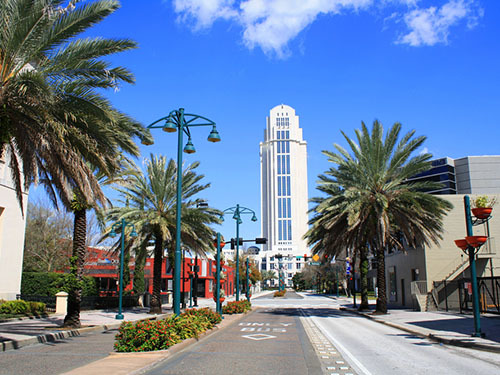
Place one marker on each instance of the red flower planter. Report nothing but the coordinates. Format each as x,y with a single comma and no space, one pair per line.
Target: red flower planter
482,212
476,241
462,244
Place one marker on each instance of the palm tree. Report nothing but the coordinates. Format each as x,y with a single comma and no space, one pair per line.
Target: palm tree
371,204
57,128
151,197
52,120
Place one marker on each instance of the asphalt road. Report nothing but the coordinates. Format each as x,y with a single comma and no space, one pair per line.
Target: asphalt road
372,348
266,341
57,357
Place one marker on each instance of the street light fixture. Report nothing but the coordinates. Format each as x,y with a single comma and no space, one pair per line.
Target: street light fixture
179,121
122,225
237,211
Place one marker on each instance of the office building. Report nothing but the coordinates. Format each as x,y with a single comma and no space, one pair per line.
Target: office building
283,161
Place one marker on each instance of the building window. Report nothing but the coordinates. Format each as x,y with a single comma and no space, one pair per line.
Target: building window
289,213
290,275
289,230
298,265
279,186
279,208
279,147
279,164
284,230
287,143
290,266
272,265
280,230
288,164
288,186
287,135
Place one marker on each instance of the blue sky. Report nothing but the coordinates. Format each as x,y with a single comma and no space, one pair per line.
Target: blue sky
432,65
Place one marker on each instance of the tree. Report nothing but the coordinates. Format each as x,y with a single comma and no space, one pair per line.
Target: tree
152,198
56,126
47,244
268,275
51,116
370,203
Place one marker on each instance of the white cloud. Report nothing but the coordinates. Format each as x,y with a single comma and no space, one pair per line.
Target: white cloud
272,24
205,12
432,25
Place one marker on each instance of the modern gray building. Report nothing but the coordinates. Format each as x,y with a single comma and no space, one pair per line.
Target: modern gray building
467,175
284,197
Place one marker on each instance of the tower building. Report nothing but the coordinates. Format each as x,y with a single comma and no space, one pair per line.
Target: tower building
283,162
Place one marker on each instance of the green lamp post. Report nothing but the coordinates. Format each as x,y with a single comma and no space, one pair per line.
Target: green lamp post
121,225
470,246
181,122
237,212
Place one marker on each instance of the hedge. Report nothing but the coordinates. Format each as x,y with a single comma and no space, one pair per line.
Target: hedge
50,283
150,335
20,307
236,307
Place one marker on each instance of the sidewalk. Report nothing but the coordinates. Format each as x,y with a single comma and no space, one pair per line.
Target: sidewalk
445,327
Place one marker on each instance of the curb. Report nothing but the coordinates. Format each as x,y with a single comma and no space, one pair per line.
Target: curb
431,336
51,337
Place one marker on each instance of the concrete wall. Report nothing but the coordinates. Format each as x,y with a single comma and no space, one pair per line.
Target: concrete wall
12,226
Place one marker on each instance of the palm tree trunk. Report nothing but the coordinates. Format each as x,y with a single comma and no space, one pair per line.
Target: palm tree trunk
158,261
363,273
72,318
382,292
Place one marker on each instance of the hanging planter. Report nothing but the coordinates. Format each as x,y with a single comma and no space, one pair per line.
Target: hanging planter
476,241
462,244
482,212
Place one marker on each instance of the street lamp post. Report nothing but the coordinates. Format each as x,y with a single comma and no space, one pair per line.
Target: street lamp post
237,212
470,245
181,122
218,307
122,225
248,281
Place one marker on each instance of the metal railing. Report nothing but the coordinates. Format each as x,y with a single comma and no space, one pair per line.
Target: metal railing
419,287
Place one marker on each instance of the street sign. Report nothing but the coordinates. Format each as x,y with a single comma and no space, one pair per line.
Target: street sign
314,263
315,257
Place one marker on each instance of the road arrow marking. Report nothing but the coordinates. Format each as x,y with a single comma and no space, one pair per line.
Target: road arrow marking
258,337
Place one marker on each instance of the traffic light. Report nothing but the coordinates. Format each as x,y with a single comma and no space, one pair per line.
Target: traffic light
261,241
233,242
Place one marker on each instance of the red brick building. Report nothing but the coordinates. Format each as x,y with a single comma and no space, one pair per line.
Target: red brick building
104,266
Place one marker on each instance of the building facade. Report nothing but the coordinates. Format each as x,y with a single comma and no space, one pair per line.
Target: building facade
284,196
439,274
12,226
467,175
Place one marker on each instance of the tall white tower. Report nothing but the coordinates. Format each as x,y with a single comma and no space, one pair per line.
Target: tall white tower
283,163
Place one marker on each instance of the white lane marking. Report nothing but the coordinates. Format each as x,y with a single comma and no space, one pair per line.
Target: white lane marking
341,347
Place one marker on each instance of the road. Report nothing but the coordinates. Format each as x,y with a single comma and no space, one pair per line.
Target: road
310,335
372,348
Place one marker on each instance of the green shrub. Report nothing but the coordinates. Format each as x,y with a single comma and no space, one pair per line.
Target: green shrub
18,307
37,308
161,334
280,293
236,307
50,283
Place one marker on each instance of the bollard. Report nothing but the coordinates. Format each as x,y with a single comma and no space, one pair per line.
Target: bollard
62,303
